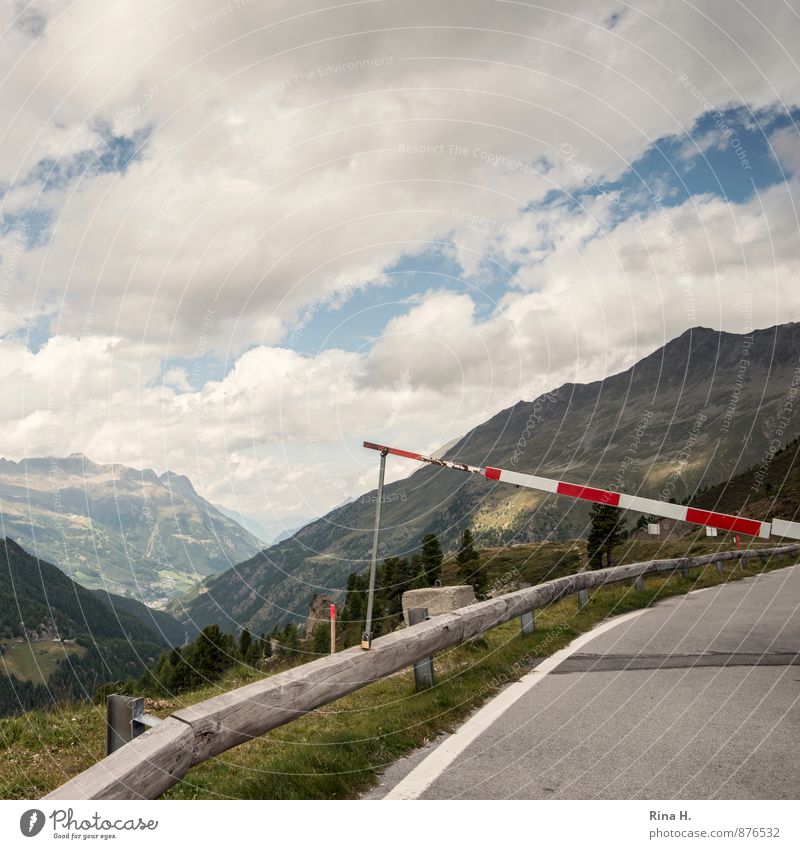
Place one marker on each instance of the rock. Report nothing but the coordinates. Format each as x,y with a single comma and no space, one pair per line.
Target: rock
438,600
318,611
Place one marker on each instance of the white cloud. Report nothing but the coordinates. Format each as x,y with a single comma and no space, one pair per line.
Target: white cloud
296,154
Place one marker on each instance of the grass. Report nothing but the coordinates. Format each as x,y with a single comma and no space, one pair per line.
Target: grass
538,562
34,661
337,751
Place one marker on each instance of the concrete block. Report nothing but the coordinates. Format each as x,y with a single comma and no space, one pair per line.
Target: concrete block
438,600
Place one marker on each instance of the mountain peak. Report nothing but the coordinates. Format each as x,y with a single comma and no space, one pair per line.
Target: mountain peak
177,483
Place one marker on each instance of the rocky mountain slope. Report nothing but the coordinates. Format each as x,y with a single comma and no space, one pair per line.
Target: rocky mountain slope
703,408
119,529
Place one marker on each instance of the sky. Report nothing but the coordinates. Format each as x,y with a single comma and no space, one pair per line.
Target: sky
239,238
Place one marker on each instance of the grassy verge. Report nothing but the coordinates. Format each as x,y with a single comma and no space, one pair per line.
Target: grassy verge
35,661
337,751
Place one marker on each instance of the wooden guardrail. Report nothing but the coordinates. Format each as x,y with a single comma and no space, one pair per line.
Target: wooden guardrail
159,758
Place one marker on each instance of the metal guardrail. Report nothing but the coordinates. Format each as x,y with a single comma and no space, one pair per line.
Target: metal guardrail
160,757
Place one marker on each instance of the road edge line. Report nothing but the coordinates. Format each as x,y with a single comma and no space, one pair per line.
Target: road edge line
428,770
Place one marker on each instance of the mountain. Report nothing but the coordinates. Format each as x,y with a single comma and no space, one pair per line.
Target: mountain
265,532
765,491
158,622
111,527
699,410
38,601
67,639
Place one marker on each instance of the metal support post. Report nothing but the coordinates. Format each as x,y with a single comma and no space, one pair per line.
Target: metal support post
583,598
125,720
366,637
527,621
424,677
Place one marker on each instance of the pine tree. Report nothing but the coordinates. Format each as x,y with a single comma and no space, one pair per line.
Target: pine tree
355,603
391,583
322,638
417,569
289,640
469,565
245,644
211,652
605,533
432,558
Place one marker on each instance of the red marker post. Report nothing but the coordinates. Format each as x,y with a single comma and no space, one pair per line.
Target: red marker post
333,628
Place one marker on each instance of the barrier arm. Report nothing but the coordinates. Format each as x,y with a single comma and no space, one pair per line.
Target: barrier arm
665,509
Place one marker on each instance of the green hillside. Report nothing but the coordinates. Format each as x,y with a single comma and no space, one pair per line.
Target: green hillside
40,605
160,622
38,599
764,491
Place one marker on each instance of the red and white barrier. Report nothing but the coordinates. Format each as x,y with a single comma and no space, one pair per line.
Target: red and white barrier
682,513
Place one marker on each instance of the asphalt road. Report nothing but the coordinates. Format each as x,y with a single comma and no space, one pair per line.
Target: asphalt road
696,698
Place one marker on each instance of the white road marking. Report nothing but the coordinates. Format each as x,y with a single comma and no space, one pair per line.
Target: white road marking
425,773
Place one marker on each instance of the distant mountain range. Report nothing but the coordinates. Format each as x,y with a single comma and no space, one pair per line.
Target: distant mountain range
700,410
118,529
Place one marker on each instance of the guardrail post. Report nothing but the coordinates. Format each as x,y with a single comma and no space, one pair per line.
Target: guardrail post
125,720
424,677
638,584
685,571
527,621
120,712
583,598
718,565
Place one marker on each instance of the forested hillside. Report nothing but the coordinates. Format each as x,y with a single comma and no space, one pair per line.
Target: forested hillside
38,604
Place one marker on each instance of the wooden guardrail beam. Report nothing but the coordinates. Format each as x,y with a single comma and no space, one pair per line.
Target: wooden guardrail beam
159,758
